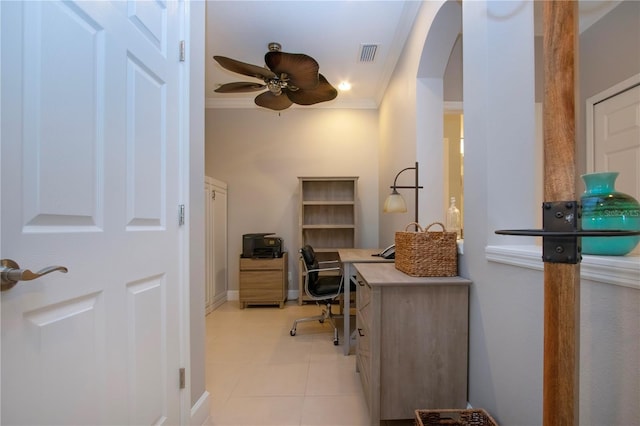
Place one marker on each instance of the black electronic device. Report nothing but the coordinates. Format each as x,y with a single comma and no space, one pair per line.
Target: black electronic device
261,245
388,253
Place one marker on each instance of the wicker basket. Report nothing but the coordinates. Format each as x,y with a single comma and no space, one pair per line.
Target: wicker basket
473,417
427,254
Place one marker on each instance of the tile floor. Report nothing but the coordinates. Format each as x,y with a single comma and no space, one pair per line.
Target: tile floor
257,374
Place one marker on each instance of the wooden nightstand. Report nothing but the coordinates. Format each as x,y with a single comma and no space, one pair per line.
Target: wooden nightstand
263,281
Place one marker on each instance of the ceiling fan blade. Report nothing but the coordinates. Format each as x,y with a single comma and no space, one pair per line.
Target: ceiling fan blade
240,87
324,92
271,101
301,69
244,68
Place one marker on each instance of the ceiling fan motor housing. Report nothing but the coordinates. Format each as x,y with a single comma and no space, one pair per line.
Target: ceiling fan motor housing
275,86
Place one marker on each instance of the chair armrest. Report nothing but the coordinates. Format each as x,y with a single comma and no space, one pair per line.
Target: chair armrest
323,269
329,261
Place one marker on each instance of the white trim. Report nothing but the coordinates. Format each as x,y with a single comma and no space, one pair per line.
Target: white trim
192,134
233,294
184,16
248,103
293,294
1,256
200,410
590,105
454,107
616,270
218,301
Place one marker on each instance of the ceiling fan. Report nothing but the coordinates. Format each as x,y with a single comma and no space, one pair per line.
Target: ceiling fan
291,78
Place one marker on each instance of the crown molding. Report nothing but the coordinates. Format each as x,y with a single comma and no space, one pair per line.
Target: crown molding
247,103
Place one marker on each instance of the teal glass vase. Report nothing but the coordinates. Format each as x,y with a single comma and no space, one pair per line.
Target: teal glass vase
604,208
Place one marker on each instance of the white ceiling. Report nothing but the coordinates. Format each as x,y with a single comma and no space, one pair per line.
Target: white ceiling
330,31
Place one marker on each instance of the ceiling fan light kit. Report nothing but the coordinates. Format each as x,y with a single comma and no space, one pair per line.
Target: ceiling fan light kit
288,77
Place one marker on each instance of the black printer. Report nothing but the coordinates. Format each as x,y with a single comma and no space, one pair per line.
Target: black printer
261,245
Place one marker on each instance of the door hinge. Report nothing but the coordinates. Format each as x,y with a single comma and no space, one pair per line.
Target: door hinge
181,214
182,51
182,378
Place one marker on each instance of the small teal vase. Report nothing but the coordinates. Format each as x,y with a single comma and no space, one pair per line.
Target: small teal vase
603,208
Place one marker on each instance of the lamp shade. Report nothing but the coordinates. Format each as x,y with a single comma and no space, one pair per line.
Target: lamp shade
395,203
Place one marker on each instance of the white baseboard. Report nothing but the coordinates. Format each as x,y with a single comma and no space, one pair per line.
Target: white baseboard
235,295
292,295
200,410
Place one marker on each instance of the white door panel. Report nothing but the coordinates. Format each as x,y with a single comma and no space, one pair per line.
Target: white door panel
90,178
617,139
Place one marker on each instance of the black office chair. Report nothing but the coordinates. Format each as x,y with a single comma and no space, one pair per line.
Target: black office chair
321,287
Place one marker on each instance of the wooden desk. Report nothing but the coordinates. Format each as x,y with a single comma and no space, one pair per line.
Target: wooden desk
348,257
412,341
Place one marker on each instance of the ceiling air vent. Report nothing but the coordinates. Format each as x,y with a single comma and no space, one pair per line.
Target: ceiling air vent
368,52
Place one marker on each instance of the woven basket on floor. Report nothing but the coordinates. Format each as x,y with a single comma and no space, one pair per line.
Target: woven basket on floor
472,417
427,254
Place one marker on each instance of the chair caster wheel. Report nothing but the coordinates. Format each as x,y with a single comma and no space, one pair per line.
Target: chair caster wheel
321,321
292,332
336,343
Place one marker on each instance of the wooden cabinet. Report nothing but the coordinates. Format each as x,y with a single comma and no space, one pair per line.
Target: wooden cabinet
328,218
216,277
263,281
411,341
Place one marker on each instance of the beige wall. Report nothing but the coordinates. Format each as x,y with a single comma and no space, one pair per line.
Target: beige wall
261,153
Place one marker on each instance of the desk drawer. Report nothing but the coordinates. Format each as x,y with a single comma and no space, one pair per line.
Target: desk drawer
363,338
363,354
261,264
363,292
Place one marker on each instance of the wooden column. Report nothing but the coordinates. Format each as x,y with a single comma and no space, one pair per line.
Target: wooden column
561,281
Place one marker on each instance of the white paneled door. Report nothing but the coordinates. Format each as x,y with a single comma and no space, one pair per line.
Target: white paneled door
215,243
617,139
90,148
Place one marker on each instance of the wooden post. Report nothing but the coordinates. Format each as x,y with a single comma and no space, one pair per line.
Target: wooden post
561,280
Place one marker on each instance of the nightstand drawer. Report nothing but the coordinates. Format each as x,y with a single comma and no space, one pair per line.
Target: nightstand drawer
261,264
256,294
261,279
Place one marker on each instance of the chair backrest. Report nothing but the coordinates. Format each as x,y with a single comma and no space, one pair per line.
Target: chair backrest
310,263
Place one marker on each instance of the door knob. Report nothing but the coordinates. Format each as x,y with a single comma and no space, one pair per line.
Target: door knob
10,273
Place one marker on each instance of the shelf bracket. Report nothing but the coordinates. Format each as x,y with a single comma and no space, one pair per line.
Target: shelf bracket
561,232
561,216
